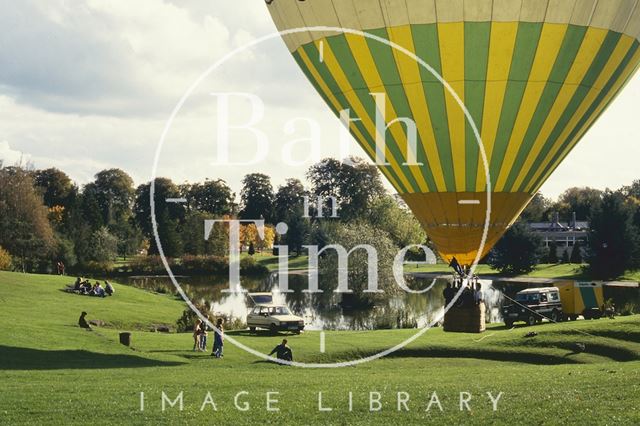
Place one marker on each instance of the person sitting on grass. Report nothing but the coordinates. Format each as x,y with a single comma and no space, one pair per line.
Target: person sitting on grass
218,340
108,288
82,322
85,287
283,351
99,290
77,284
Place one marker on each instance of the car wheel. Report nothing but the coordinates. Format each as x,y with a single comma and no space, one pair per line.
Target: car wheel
531,319
555,316
273,328
252,329
508,324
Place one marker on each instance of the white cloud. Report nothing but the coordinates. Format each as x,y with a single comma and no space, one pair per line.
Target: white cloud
88,85
111,58
12,157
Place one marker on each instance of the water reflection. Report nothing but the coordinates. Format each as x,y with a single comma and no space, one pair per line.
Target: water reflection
327,310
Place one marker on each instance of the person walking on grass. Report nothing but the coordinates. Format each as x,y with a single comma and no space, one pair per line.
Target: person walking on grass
196,336
218,340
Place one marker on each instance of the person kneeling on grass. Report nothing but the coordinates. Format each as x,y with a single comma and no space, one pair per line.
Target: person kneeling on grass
283,351
218,340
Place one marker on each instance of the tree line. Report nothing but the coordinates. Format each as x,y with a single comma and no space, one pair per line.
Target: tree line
613,241
45,217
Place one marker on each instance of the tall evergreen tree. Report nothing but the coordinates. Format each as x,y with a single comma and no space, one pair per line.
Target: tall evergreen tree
613,239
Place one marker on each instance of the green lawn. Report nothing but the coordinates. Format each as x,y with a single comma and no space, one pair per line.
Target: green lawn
52,372
543,270
271,262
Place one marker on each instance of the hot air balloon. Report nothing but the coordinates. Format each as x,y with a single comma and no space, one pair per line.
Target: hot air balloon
533,74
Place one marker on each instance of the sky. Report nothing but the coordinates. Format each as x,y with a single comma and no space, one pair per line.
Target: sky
89,85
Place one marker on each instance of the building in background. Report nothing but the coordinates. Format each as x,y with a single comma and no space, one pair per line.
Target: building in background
565,234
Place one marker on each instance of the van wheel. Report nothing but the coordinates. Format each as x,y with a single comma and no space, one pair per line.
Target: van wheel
531,320
252,329
273,328
508,324
555,316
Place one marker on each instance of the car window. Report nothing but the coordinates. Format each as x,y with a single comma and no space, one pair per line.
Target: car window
543,297
554,296
282,310
255,311
264,310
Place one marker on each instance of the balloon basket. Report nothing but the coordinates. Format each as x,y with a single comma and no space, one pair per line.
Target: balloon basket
465,319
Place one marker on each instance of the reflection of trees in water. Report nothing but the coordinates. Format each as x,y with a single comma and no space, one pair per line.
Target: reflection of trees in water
325,310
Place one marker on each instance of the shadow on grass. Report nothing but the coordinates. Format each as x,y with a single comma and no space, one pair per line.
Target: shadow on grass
628,336
511,356
14,358
260,333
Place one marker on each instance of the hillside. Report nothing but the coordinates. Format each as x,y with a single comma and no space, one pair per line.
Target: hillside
53,372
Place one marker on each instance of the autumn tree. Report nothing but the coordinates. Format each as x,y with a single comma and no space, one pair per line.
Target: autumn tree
25,231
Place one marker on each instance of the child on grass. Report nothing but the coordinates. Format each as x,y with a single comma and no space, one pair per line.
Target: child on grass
196,336
203,336
218,340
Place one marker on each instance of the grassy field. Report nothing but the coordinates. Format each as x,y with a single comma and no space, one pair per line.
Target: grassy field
544,270
52,372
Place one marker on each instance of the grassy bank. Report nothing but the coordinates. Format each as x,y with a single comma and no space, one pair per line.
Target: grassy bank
543,270
52,372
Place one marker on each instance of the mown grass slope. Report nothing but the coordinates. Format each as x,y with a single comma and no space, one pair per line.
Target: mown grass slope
52,372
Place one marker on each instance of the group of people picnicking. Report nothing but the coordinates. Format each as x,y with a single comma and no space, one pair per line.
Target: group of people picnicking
84,287
201,333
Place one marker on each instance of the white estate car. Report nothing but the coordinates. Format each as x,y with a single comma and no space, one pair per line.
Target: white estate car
274,317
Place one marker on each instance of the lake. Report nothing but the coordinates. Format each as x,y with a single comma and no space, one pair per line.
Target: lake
321,311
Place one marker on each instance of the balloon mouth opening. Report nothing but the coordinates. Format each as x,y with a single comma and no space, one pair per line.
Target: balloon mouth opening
457,229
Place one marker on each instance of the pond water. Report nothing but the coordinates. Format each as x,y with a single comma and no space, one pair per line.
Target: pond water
321,311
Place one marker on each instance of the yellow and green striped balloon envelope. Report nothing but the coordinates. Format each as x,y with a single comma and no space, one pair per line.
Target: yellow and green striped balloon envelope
533,74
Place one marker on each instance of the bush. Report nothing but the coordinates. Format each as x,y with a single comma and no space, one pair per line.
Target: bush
552,256
249,266
195,265
97,268
188,320
5,260
576,253
517,252
148,265
103,246
629,308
